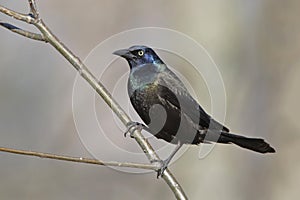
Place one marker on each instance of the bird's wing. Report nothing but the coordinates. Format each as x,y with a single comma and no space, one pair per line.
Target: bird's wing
171,85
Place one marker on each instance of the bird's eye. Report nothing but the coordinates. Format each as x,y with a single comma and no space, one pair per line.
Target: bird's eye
141,53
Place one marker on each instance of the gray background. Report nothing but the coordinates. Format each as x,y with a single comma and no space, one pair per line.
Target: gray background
256,45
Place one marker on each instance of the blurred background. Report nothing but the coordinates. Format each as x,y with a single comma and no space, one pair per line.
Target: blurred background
256,46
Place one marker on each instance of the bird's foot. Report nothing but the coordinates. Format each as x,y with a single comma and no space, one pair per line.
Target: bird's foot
163,166
133,126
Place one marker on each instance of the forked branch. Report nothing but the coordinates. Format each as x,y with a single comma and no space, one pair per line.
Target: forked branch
47,36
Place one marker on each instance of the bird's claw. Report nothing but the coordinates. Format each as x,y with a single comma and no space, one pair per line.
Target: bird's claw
163,167
133,126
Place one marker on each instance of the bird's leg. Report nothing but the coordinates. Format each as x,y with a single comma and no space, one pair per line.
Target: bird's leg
132,126
165,163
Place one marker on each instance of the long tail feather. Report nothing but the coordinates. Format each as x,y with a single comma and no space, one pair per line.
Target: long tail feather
254,144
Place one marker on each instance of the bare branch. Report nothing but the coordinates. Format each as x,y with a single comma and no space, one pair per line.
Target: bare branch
80,159
16,15
28,34
98,87
33,8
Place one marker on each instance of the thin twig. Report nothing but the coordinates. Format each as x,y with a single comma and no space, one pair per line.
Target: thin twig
19,16
98,87
79,159
33,9
28,34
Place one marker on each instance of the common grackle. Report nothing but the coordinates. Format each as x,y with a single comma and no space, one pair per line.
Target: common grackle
169,111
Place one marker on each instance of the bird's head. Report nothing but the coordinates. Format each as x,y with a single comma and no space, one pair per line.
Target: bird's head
139,55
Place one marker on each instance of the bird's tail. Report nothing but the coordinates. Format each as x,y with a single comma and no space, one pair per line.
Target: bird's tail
254,144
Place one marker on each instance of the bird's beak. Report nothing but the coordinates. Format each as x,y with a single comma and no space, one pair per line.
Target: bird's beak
125,53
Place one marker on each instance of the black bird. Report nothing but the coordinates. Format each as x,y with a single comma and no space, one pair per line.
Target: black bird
169,111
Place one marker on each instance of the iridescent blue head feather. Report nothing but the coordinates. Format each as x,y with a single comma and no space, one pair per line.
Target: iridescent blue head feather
139,56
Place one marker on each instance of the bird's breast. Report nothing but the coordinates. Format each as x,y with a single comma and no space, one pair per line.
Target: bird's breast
142,91
141,79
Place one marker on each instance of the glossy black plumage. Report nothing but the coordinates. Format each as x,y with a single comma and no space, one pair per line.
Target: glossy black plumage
167,108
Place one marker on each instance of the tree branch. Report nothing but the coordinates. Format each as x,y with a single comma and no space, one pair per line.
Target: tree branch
33,8
19,16
98,87
79,159
28,34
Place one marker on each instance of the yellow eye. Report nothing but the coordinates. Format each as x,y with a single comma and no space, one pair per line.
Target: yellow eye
141,53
